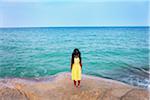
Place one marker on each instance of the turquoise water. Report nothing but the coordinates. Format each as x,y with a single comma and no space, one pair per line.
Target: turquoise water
118,53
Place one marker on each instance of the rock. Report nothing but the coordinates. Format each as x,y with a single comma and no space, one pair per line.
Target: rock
61,88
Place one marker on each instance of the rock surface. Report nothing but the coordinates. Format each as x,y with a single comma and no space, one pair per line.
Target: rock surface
60,87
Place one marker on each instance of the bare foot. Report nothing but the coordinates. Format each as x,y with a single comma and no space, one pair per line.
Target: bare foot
78,86
75,86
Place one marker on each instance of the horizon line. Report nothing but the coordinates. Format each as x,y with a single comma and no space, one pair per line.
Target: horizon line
67,26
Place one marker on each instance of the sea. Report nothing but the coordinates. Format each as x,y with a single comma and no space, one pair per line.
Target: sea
117,53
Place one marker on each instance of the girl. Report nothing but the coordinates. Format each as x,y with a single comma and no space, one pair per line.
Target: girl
76,67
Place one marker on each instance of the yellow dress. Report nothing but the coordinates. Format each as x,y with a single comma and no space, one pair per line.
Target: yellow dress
76,70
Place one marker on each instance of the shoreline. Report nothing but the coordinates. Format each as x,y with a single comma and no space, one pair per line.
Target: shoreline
60,86
50,77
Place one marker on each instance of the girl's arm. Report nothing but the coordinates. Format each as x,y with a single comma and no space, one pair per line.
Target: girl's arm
71,65
81,65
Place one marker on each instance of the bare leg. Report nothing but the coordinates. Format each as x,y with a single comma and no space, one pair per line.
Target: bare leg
74,82
78,83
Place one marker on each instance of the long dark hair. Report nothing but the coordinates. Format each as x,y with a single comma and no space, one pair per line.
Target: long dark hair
75,53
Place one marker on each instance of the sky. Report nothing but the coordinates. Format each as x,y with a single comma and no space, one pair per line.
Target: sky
57,13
